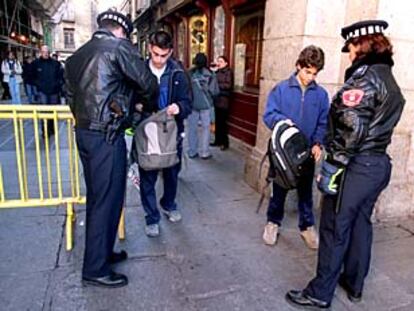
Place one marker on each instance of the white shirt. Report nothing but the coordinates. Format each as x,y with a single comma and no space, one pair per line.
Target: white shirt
157,72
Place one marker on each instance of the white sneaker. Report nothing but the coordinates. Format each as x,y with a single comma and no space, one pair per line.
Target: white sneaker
310,237
270,233
152,230
173,216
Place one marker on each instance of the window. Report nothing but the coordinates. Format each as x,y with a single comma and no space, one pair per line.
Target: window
248,51
69,38
198,36
219,29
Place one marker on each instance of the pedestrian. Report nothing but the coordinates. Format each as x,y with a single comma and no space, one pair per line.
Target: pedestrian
205,87
362,118
29,79
222,102
101,78
49,81
174,96
12,71
301,101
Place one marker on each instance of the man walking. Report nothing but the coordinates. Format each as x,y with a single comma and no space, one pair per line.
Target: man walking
175,96
101,78
48,80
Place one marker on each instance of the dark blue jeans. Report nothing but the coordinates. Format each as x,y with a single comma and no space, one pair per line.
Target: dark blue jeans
346,233
276,209
104,167
148,180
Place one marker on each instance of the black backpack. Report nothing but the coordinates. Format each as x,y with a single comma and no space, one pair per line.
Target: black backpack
288,152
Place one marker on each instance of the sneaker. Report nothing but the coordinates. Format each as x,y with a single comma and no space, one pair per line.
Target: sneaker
270,233
173,216
310,237
152,230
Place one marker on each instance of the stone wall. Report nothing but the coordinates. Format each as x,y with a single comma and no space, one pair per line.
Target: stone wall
292,25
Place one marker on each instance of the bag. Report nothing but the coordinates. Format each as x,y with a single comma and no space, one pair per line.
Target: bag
288,152
156,142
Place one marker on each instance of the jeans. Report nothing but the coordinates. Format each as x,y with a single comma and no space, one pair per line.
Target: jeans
193,138
276,209
14,87
49,99
30,92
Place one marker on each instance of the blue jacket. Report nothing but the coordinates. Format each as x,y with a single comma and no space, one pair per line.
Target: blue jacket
175,88
308,110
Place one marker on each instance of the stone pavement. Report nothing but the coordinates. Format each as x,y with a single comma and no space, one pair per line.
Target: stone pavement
213,260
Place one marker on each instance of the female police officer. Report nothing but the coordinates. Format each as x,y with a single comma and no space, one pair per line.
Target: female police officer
357,168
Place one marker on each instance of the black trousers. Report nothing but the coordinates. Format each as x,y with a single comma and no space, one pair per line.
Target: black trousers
104,168
346,233
222,129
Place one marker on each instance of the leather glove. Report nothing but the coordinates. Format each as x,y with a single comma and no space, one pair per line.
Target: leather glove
328,178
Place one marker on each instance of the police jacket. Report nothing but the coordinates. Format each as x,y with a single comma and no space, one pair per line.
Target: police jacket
48,75
365,111
308,109
106,69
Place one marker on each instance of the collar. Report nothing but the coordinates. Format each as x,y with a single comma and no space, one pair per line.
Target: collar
369,59
293,82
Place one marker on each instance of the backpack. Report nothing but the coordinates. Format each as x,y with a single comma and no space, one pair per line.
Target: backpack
156,141
288,152
205,87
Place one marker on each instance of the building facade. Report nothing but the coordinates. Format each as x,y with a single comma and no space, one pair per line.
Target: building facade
72,27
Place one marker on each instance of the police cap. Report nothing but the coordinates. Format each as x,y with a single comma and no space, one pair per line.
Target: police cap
118,18
360,29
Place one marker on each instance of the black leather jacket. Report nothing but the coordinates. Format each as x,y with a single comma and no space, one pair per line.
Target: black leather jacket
365,111
104,70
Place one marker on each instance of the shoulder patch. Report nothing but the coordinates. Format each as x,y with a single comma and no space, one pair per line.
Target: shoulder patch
361,71
352,98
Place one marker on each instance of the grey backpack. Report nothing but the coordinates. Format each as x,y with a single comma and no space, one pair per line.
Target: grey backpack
156,142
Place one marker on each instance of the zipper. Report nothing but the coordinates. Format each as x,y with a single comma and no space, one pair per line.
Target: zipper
302,100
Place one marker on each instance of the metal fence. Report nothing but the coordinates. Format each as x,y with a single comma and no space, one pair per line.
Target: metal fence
44,167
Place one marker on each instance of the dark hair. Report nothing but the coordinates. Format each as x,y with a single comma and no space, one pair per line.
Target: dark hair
200,61
372,44
162,39
224,58
311,56
110,24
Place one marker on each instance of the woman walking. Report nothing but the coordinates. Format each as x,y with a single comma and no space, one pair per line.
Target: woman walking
12,71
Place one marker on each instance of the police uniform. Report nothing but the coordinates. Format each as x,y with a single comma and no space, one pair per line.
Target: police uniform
362,117
102,78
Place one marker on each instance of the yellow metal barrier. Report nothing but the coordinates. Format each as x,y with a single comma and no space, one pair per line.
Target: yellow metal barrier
65,158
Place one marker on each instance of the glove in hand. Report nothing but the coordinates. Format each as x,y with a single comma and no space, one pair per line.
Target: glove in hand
329,177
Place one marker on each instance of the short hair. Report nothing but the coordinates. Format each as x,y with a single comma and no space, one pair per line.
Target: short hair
372,44
200,61
311,56
161,39
110,24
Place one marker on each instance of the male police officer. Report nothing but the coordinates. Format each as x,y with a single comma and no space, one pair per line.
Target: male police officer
101,78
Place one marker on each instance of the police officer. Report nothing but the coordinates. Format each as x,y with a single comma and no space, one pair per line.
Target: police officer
363,115
101,78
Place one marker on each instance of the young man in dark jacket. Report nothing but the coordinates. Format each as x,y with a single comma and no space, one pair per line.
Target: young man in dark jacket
101,78
174,95
48,80
303,102
29,79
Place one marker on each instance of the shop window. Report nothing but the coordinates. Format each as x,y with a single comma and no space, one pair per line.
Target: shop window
181,41
219,29
198,36
248,51
69,38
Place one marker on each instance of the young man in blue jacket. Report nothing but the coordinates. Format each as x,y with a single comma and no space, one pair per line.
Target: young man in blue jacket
174,94
304,103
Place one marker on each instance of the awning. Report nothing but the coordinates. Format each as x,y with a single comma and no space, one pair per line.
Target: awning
7,40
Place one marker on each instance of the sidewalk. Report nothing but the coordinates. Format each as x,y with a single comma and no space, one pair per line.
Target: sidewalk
213,260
